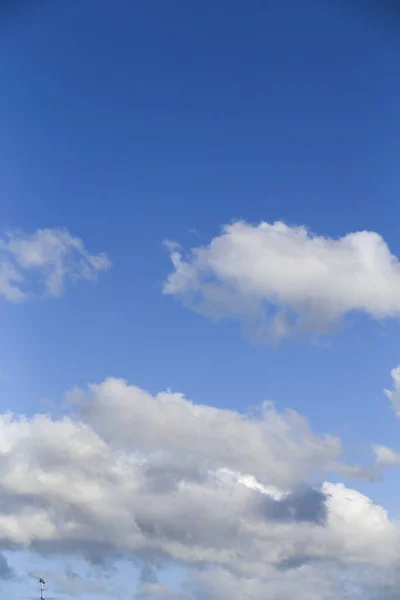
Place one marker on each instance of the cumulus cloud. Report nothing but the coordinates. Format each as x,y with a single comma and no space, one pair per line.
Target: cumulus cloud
276,447
231,498
281,280
39,264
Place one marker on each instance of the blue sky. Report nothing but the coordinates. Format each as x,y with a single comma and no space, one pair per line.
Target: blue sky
132,123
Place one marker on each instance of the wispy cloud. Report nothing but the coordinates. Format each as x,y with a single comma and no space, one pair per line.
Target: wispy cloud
394,394
386,456
41,263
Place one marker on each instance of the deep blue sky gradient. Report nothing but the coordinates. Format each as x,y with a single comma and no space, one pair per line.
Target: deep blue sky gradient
136,122
132,122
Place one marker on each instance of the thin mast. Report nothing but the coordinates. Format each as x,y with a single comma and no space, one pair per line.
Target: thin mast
42,584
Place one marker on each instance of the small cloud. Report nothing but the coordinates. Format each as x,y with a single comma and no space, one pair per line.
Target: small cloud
386,456
40,264
394,394
195,233
171,246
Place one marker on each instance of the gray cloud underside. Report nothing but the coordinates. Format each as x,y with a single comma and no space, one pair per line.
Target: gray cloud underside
232,498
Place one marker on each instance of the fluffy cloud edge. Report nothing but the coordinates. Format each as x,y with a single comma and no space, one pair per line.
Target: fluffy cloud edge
158,475
282,280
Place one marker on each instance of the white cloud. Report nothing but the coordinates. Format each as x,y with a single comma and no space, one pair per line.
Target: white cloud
41,263
282,280
268,447
160,479
386,456
394,395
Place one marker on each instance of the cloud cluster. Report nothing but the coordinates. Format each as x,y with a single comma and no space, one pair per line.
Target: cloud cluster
281,280
39,264
232,498
278,448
